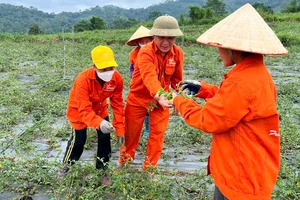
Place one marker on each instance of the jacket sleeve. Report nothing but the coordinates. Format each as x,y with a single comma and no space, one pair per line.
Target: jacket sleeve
117,105
88,116
220,113
178,74
148,72
207,90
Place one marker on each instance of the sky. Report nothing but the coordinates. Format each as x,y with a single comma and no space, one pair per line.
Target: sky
58,6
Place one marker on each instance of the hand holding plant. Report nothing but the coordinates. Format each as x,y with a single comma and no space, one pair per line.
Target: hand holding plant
162,98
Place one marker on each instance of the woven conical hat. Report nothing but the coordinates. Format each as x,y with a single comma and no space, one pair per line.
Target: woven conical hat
140,33
244,30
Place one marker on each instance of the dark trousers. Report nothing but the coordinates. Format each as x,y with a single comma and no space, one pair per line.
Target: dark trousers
76,144
218,195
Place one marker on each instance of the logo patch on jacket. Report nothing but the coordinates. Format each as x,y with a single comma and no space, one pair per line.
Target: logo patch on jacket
109,87
171,62
274,133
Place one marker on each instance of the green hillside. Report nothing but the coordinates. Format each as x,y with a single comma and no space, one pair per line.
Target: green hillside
19,19
276,5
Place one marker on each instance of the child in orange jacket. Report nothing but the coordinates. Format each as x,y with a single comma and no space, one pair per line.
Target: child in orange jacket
241,113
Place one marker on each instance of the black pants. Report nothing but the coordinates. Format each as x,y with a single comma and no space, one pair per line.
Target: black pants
76,144
218,195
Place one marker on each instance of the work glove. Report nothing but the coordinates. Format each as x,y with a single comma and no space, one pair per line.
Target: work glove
106,127
161,99
190,87
120,141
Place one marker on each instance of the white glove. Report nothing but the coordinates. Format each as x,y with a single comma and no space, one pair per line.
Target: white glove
106,127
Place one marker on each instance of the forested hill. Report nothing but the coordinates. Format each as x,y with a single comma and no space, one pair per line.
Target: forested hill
276,5
19,19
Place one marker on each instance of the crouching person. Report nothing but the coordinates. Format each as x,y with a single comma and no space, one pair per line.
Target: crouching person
88,107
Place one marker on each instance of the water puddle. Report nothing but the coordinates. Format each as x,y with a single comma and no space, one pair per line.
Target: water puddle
27,64
27,79
3,75
181,158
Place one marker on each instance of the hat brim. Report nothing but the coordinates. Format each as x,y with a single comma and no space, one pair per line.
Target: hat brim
141,32
106,64
166,32
134,42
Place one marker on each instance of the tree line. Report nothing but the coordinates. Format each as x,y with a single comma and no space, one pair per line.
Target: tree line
15,19
197,15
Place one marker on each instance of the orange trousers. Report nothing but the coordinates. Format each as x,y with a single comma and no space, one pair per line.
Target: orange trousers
134,119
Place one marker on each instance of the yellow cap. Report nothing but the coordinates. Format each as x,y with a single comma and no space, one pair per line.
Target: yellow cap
103,57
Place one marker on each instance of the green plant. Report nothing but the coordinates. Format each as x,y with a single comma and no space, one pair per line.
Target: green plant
34,95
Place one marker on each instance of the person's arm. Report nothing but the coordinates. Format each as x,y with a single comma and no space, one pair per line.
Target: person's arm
207,90
117,104
198,88
148,72
220,113
178,74
85,109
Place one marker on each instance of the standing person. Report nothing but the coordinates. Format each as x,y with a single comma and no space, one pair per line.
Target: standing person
241,113
159,65
139,39
88,107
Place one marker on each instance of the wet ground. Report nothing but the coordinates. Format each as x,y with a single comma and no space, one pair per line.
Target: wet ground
187,160
182,159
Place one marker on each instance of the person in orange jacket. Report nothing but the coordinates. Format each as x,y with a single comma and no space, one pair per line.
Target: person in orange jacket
241,113
88,107
139,39
159,66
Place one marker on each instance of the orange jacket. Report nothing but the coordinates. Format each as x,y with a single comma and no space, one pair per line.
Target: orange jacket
88,106
244,122
133,55
152,72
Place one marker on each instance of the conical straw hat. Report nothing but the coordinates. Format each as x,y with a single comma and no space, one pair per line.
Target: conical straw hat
140,33
244,30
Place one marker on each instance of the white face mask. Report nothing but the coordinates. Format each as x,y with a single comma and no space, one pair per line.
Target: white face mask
106,76
142,45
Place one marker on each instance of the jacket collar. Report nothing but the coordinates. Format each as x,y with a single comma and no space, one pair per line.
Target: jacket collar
253,59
